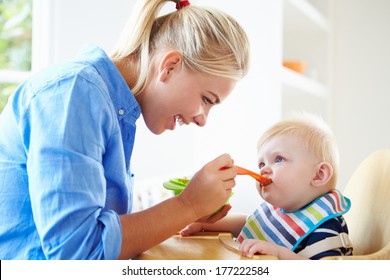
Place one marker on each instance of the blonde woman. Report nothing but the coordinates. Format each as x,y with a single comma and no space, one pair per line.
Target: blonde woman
67,134
301,216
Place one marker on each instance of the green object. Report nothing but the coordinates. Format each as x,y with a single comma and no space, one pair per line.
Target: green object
177,185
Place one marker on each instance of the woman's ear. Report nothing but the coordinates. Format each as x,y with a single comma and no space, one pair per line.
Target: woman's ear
324,172
170,61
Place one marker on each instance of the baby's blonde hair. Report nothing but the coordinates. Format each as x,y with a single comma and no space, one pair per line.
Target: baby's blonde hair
210,41
314,133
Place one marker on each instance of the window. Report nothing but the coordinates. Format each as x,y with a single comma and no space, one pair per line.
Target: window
15,45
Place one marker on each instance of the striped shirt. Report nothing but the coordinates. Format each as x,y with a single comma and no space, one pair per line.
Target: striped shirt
295,230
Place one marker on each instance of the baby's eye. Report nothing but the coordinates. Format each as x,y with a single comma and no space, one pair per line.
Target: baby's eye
261,165
279,159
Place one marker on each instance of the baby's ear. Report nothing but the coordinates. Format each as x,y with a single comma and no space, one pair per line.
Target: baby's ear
324,172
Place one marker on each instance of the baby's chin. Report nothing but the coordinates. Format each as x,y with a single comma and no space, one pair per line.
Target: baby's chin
264,191
266,196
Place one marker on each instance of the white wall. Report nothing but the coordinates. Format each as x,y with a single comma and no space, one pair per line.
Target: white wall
361,79
61,28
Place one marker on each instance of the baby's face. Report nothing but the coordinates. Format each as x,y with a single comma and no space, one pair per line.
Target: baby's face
287,161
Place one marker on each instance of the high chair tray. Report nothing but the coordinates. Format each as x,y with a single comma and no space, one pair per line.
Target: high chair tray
201,246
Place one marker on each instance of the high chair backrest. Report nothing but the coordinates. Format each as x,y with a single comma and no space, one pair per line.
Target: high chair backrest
369,218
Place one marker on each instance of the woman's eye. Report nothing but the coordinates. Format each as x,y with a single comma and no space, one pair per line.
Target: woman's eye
279,159
207,101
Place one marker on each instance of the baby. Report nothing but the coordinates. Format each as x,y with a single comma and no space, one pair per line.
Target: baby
301,217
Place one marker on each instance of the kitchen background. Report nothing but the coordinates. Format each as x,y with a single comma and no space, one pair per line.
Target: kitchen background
342,44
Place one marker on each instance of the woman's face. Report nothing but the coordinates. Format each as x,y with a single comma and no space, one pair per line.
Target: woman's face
292,168
177,95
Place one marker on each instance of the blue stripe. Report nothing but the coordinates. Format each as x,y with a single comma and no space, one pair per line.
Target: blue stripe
269,232
247,233
303,218
324,206
269,214
329,198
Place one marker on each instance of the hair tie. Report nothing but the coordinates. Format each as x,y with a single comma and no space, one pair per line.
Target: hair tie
182,4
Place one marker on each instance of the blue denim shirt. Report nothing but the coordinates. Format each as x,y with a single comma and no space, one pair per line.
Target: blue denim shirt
66,139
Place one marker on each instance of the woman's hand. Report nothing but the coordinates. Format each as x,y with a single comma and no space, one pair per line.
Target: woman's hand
191,229
203,223
210,188
211,219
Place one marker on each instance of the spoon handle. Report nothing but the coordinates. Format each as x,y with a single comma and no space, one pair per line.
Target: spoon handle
261,179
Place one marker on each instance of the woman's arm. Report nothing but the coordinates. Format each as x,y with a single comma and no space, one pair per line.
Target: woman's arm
209,188
231,223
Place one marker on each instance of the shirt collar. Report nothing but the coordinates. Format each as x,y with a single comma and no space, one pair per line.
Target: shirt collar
122,97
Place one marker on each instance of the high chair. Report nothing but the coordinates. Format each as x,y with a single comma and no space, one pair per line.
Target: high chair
369,218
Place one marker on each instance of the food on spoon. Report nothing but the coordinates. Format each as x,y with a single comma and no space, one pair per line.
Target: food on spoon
264,180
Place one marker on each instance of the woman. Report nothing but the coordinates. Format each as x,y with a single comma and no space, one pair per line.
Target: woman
67,134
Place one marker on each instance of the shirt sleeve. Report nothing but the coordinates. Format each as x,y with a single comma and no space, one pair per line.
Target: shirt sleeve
66,127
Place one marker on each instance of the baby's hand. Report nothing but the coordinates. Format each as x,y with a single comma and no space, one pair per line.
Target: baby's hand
250,247
191,229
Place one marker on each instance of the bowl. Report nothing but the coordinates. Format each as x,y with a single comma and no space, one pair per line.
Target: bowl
177,185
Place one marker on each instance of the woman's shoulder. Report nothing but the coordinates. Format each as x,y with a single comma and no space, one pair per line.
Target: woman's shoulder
63,76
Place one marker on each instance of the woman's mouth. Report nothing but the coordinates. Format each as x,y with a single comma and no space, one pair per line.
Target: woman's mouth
179,120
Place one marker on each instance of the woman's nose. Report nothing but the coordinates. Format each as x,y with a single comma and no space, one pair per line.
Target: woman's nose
201,119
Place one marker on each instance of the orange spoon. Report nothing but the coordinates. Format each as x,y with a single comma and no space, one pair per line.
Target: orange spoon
260,178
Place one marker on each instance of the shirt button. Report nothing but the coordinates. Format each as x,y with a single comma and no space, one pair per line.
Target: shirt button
121,112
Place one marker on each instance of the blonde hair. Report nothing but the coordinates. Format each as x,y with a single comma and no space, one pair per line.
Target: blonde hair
314,133
210,41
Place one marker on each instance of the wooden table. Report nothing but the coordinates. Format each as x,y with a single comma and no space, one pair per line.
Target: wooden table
202,246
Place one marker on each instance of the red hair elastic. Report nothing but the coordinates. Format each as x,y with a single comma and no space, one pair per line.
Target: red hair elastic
182,4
